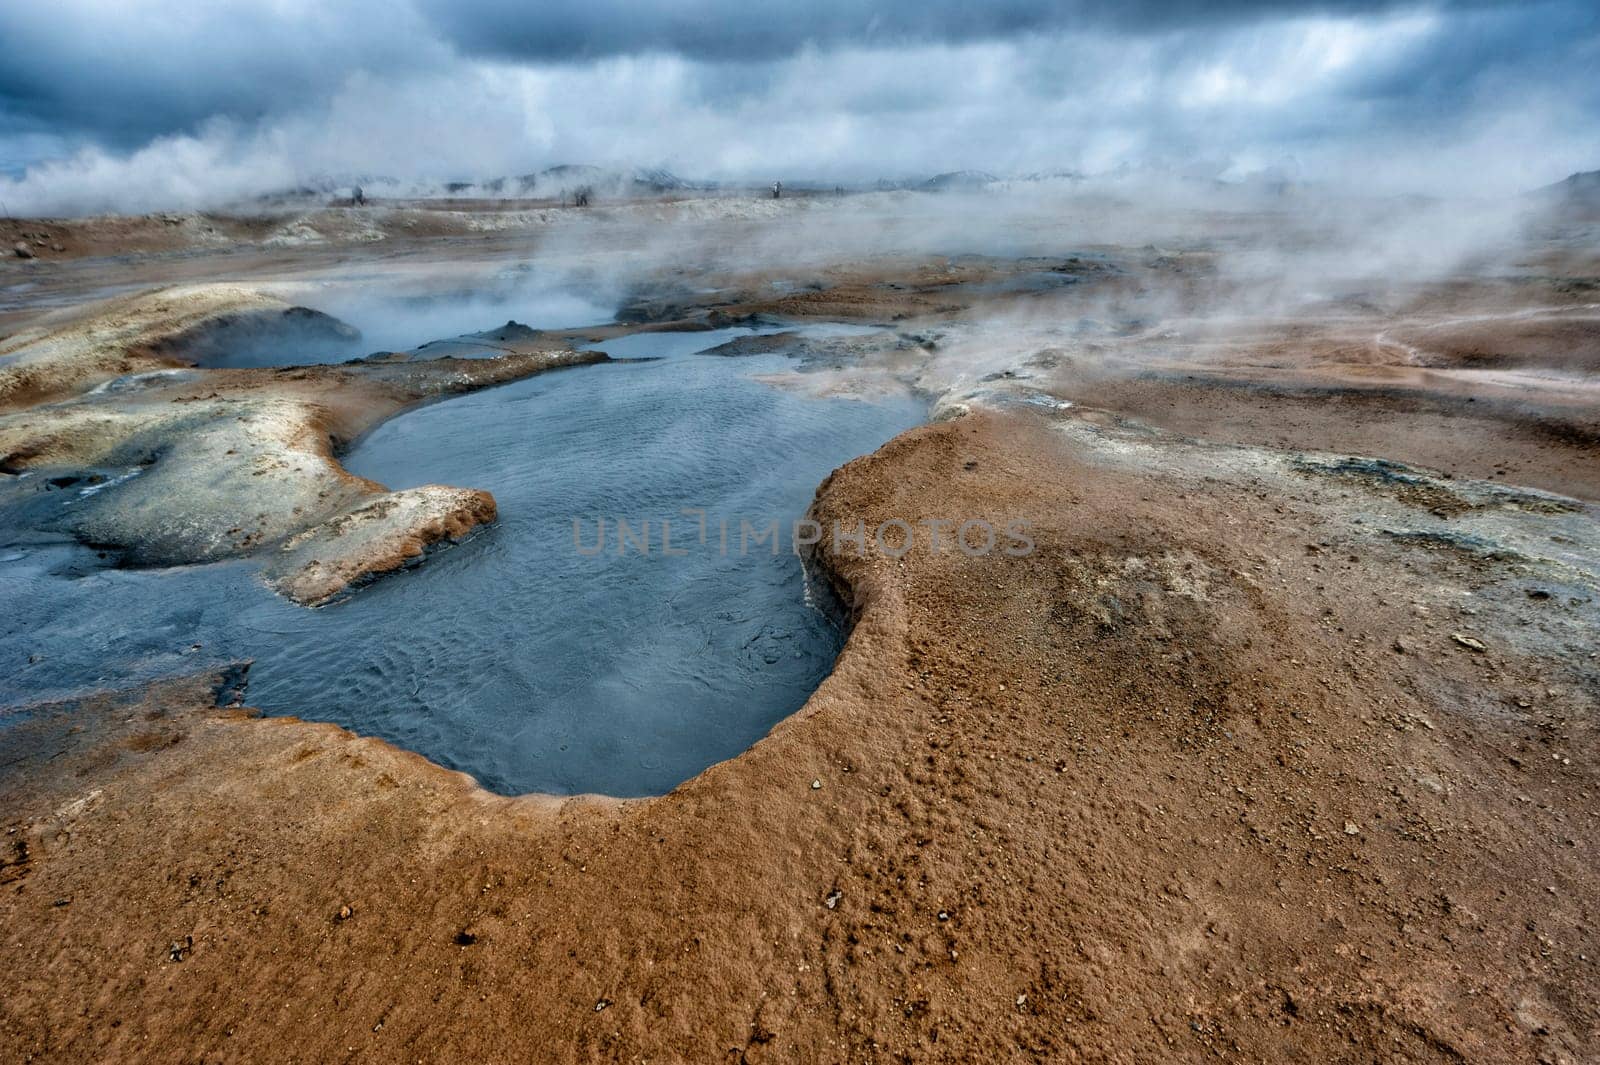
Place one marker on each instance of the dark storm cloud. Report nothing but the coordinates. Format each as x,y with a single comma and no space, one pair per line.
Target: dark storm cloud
124,71
563,30
1493,50
110,102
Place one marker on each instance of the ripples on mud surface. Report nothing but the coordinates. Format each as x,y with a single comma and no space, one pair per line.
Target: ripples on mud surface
511,656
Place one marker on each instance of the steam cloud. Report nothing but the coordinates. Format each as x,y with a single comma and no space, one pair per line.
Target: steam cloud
120,105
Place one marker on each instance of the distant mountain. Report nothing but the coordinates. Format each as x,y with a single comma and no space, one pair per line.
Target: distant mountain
564,179
958,180
950,181
1052,175
1574,198
556,182
1582,187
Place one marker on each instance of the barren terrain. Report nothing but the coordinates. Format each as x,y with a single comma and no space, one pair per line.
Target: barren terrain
1278,745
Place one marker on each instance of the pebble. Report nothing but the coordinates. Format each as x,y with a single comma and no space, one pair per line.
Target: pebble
816,785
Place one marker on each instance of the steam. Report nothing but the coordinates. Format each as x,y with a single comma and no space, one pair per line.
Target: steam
1173,268
180,172
252,100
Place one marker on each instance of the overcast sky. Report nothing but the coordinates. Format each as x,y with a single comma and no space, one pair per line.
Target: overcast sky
149,103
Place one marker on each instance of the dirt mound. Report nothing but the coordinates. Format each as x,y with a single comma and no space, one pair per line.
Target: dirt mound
1568,344
149,331
203,464
1213,770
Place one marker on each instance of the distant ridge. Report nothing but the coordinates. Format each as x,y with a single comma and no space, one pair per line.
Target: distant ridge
555,182
1583,186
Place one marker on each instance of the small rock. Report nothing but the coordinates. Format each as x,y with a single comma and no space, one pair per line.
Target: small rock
178,951
602,1004
1352,829
344,914
833,898
21,249
816,785
944,915
1471,643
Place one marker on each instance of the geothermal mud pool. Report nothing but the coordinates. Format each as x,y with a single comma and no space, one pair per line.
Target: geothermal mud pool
514,656
1308,632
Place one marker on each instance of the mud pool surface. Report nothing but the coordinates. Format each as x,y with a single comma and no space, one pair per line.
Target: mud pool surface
513,656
